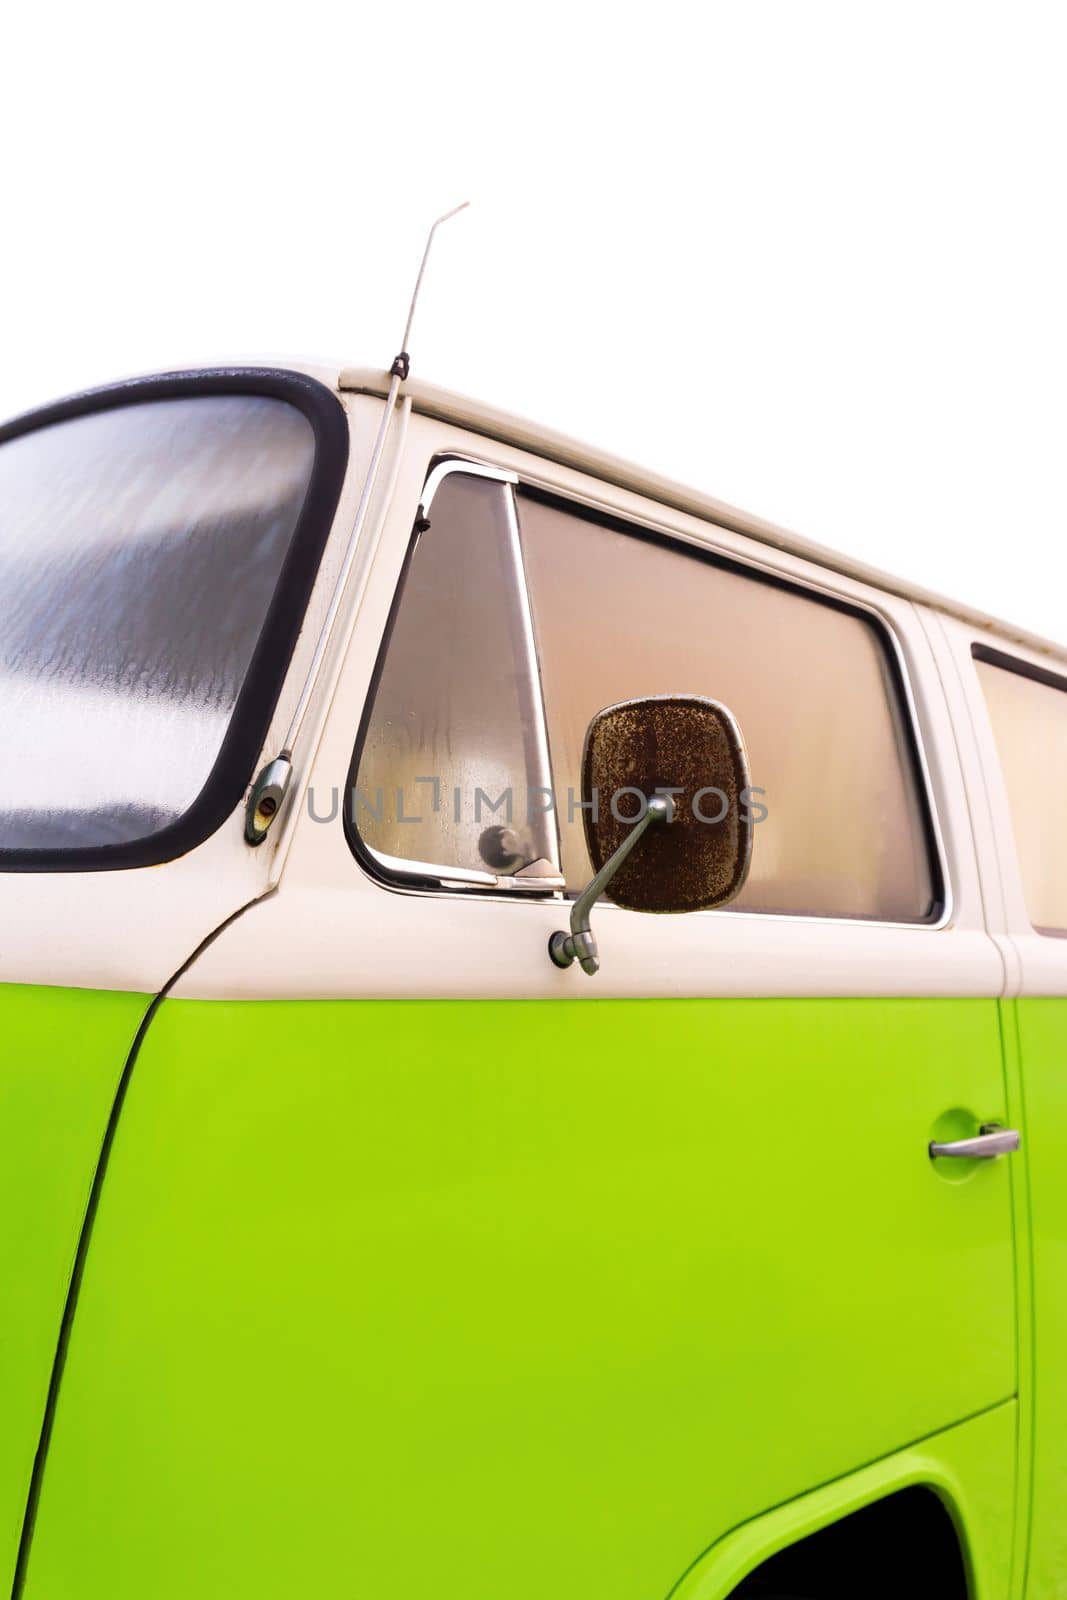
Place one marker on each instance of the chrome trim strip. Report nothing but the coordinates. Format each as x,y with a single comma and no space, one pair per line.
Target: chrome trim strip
472,469
402,866
466,877
463,877
533,671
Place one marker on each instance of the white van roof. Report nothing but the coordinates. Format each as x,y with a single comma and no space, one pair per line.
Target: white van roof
475,415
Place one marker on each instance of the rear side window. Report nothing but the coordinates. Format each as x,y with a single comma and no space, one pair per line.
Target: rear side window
144,549
812,685
1028,711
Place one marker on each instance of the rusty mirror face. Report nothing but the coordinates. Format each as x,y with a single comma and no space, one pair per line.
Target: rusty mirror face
688,749
665,790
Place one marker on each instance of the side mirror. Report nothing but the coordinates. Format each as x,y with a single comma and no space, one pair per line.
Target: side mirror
665,785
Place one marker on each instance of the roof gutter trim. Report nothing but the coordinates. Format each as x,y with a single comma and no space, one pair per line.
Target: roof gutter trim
430,401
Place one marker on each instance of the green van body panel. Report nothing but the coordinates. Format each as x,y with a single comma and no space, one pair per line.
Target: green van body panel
541,1298
63,1053
963,1466
1042,1027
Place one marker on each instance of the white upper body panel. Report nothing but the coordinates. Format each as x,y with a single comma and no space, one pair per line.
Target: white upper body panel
323,927
1037,960
133,928
333,931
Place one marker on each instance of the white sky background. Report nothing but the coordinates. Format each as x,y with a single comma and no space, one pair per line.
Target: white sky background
808,257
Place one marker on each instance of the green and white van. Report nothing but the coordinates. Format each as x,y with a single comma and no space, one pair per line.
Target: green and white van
356,1241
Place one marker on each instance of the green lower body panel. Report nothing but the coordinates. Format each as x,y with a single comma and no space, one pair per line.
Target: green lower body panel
1043,1053
525,1299
965,1467
62,1052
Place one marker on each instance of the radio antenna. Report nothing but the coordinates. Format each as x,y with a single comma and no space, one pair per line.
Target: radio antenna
272,784
402,363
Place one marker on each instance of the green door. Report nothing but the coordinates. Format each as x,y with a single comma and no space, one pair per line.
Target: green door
523,1298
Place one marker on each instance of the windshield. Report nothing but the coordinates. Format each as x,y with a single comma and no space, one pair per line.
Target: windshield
140,549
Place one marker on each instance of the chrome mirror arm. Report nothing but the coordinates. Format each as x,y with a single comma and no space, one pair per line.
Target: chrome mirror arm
580,943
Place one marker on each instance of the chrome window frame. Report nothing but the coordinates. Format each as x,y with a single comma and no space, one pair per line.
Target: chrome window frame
399,872
884,625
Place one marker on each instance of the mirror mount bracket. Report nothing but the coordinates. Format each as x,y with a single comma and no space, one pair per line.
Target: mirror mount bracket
580,943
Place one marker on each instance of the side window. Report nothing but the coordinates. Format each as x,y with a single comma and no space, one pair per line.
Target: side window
618,615
1028,711
451,770
517,619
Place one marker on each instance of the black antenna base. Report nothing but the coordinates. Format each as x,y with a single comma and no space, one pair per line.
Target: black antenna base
401,366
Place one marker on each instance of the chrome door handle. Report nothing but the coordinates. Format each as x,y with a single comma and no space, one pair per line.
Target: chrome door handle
991,1141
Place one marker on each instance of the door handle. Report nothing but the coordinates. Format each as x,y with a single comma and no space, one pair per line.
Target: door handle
989,1142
